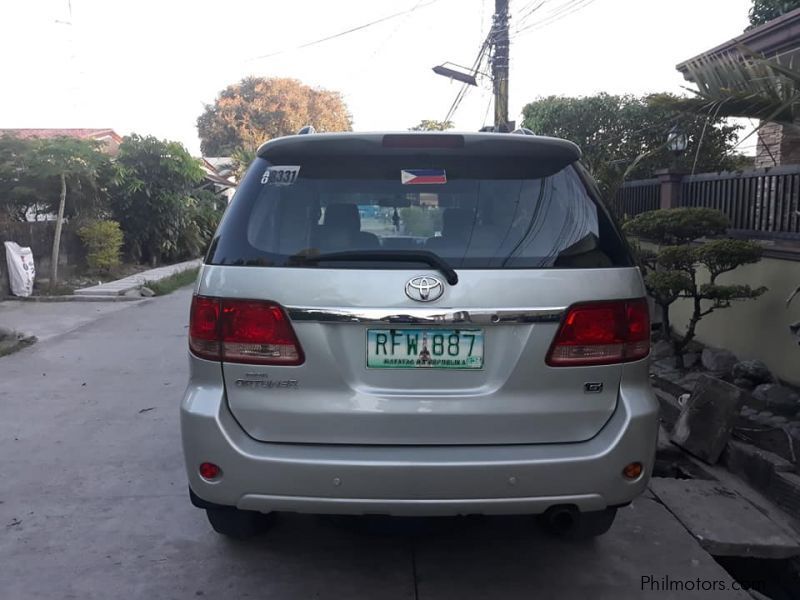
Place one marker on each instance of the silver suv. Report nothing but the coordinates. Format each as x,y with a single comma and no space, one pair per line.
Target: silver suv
418,324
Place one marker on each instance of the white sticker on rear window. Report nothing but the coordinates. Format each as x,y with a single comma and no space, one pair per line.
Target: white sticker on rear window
280,175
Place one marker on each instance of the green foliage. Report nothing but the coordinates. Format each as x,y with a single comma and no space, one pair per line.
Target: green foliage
14,160
30,177
672,272
248,113
103,242
677,258
204,211
152,197
742,84
677,225
721,256
722,295
667,286
625,136
52,157
420,221
149,188
764,11
242,157
432,125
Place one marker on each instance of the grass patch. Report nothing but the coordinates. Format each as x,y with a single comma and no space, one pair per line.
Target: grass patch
14,342
173,282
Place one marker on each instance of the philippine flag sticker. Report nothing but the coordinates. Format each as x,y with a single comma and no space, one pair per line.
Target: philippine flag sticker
422,176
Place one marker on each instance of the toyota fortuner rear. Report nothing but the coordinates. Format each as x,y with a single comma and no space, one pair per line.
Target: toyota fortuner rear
418,324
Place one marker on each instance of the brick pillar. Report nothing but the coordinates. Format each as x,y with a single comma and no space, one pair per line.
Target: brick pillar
670,187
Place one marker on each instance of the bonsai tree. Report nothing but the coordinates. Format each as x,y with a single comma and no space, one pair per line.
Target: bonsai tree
674,270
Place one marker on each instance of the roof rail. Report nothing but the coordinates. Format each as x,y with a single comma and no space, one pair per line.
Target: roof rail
523,131
306,130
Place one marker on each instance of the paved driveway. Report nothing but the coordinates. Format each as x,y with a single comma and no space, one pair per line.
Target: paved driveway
93,502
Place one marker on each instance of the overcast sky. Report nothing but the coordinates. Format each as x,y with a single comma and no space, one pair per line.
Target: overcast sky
149,66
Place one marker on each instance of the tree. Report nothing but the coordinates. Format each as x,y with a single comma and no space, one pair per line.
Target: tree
624,136
14,163
28,188
63,158
432,125
746,85
672,272
764,11
151,195
257,109
743,85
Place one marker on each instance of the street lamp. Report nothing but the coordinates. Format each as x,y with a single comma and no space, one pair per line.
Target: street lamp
468,78
677,141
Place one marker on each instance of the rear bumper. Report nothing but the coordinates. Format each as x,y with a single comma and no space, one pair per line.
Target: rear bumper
416,480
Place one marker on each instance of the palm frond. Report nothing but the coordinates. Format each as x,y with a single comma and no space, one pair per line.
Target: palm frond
744,84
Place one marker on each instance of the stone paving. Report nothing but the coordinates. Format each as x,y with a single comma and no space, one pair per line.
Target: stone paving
121,286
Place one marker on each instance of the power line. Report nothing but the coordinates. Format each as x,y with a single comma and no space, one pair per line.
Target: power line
394,31
563,11
486,114
554,16
475,68
347,31
554,13
523,18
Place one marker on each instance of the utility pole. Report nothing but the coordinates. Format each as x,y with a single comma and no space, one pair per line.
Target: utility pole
496,47
500,65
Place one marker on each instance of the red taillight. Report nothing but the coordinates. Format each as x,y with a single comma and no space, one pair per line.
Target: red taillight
242,331
602,333
204,327
257,332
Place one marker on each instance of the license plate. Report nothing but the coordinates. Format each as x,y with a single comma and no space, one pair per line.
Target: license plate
425,348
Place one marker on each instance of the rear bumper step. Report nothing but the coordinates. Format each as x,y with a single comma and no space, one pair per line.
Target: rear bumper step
429,507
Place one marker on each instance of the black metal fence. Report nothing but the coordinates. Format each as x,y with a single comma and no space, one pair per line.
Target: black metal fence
636,197
759,200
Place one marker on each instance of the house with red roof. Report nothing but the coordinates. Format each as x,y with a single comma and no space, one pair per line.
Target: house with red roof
109,138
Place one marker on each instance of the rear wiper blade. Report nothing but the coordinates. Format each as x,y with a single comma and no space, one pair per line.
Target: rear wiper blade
423,256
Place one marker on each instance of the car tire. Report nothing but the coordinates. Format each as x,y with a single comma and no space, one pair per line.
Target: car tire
581,526
238,524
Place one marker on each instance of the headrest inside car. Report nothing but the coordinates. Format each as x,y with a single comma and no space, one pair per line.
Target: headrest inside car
343,216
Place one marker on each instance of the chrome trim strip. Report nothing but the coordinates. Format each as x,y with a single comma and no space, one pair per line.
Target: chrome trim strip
434,316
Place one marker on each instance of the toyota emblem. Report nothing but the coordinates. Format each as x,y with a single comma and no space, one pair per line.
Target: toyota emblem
424,288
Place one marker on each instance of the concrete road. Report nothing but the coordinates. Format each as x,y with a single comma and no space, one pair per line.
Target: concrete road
93,502
47,320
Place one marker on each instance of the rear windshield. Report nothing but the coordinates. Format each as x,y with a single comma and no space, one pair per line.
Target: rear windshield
475,214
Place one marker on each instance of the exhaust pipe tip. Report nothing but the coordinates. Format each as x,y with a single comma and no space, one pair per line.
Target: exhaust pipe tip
561,519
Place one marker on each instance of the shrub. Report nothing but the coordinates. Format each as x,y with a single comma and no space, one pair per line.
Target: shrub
199,221
103,242
672,272
677,225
